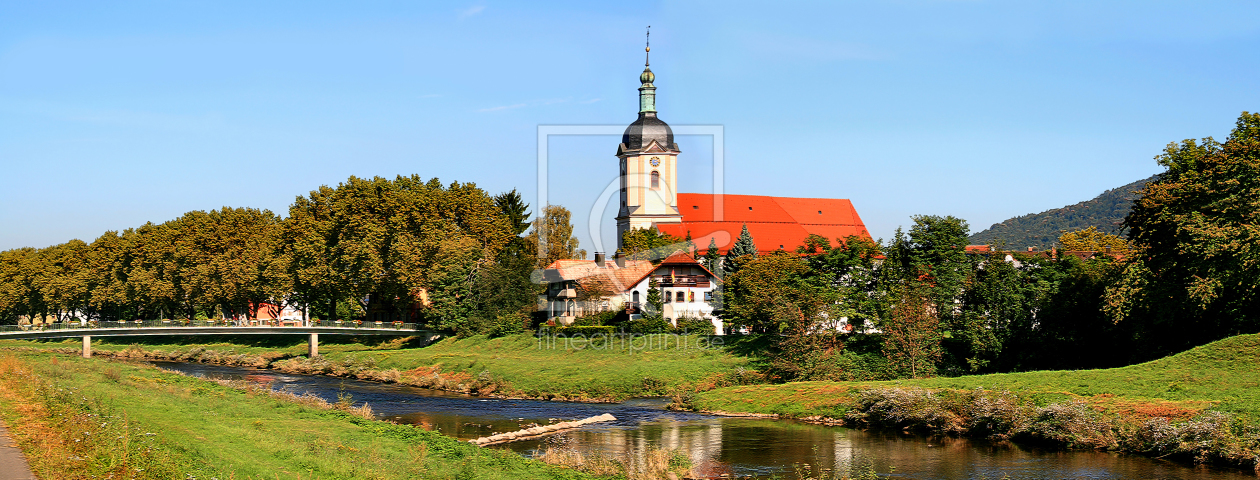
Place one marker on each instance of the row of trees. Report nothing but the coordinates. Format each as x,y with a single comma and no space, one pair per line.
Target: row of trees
450,256
1187,276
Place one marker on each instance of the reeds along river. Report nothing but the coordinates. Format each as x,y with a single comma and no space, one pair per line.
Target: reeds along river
718,445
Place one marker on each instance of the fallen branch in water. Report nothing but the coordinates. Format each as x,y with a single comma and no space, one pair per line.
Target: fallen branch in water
540,431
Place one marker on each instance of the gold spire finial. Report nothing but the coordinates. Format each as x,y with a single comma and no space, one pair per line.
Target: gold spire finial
648,56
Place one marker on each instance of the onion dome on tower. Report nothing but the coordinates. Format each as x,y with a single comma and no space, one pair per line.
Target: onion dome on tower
647,128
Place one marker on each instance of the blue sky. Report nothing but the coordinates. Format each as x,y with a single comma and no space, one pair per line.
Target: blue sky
115,114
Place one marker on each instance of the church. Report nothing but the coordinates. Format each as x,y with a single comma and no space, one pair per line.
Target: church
648,161
649,198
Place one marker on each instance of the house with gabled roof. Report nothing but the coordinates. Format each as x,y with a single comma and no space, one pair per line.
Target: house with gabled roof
577,288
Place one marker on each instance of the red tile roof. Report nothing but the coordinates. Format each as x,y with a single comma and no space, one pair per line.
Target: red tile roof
685,259
772,221
617,279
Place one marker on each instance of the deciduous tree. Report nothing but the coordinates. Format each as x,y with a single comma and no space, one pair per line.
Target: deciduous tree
552,236
1195,275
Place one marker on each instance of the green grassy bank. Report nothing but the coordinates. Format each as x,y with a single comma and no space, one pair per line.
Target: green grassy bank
512,366
1224,375
1201,406
79,418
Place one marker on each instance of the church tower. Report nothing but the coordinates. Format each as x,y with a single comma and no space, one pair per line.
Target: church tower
649,170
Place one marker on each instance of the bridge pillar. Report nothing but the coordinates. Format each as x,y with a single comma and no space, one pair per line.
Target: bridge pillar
313,346
87,346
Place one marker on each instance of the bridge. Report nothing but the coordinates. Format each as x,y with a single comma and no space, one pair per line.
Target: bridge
87,330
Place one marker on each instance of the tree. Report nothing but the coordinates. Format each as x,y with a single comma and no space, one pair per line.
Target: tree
690,247
515,209
655,303
63,282
393,245
20,295
850,268
757,294
912,337
552,236
999,304
742,251
503,290
1194,277
1092,240
712,258
650,244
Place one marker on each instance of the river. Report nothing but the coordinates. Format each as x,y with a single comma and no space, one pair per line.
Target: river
718,445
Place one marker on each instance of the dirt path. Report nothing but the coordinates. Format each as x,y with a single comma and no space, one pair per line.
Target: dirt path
13,464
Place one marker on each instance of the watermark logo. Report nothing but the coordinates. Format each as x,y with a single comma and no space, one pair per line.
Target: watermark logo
630,342
595,216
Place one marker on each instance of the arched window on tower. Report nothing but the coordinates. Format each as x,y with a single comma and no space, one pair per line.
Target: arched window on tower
656,179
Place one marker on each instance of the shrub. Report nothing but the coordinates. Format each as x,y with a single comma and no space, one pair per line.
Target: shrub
596,319
503,325
698,326
649,324
1072,424
914,408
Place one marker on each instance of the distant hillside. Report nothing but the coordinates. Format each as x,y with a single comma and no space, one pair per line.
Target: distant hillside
1042,230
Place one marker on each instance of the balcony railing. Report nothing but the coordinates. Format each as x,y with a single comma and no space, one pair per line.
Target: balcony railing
698,281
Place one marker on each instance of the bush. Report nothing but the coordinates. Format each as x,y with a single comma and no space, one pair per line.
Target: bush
507,324
597,319
697,326
649,324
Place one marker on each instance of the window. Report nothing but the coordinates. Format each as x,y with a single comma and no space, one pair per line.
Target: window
708,296
680,297
635,298
669,296
656,179
691,297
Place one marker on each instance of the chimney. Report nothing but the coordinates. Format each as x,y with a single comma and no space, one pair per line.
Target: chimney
619,259
599,259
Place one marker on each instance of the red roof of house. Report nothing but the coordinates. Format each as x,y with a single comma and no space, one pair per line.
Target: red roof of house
773,222
617,279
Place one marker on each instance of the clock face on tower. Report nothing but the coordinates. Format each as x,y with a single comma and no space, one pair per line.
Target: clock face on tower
656,161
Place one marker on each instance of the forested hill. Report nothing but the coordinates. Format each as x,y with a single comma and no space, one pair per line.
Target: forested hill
1042,230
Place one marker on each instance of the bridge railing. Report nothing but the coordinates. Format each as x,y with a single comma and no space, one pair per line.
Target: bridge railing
199,323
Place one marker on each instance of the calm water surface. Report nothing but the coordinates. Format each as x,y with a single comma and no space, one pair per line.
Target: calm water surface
718,445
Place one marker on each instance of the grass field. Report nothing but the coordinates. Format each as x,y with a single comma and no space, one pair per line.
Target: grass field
80,418
1224,375
519,366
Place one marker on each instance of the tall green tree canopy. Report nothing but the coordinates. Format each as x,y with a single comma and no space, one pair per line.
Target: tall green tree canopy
552,236
1196,274
392,243
650,244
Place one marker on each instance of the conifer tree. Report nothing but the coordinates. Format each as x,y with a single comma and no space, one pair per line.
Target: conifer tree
655,304
691,247
742,251
711,256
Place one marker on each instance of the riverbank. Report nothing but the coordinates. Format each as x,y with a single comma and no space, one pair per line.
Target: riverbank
1201,405
519,366
93,418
